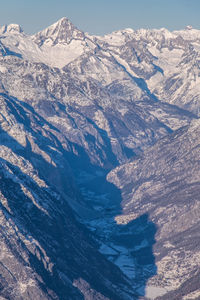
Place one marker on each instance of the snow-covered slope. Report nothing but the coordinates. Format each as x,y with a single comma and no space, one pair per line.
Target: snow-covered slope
167,61
56,46
165,184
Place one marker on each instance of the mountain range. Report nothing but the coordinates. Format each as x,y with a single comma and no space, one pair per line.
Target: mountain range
99,160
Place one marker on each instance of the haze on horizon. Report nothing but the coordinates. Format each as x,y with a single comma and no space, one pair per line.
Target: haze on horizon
101,17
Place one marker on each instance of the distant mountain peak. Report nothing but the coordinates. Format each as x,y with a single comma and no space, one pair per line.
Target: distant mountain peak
63,31
188,27
11,28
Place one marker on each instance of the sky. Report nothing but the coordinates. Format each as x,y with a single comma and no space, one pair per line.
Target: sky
102,16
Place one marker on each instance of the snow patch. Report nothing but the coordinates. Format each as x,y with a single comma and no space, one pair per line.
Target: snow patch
3,69
153,292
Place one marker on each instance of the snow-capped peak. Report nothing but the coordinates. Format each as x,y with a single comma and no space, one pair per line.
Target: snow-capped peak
12,28
63,31
189,27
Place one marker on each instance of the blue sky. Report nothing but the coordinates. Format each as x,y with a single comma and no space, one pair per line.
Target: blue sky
100,17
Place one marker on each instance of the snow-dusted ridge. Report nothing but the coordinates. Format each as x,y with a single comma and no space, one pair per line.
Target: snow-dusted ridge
11,28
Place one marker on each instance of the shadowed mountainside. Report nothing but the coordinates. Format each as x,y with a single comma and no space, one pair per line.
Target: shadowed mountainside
164,183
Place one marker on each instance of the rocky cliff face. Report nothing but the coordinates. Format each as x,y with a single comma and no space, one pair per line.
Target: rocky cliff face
164,183
45,253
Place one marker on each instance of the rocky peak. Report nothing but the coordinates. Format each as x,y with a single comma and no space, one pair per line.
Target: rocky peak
12,28
63,31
